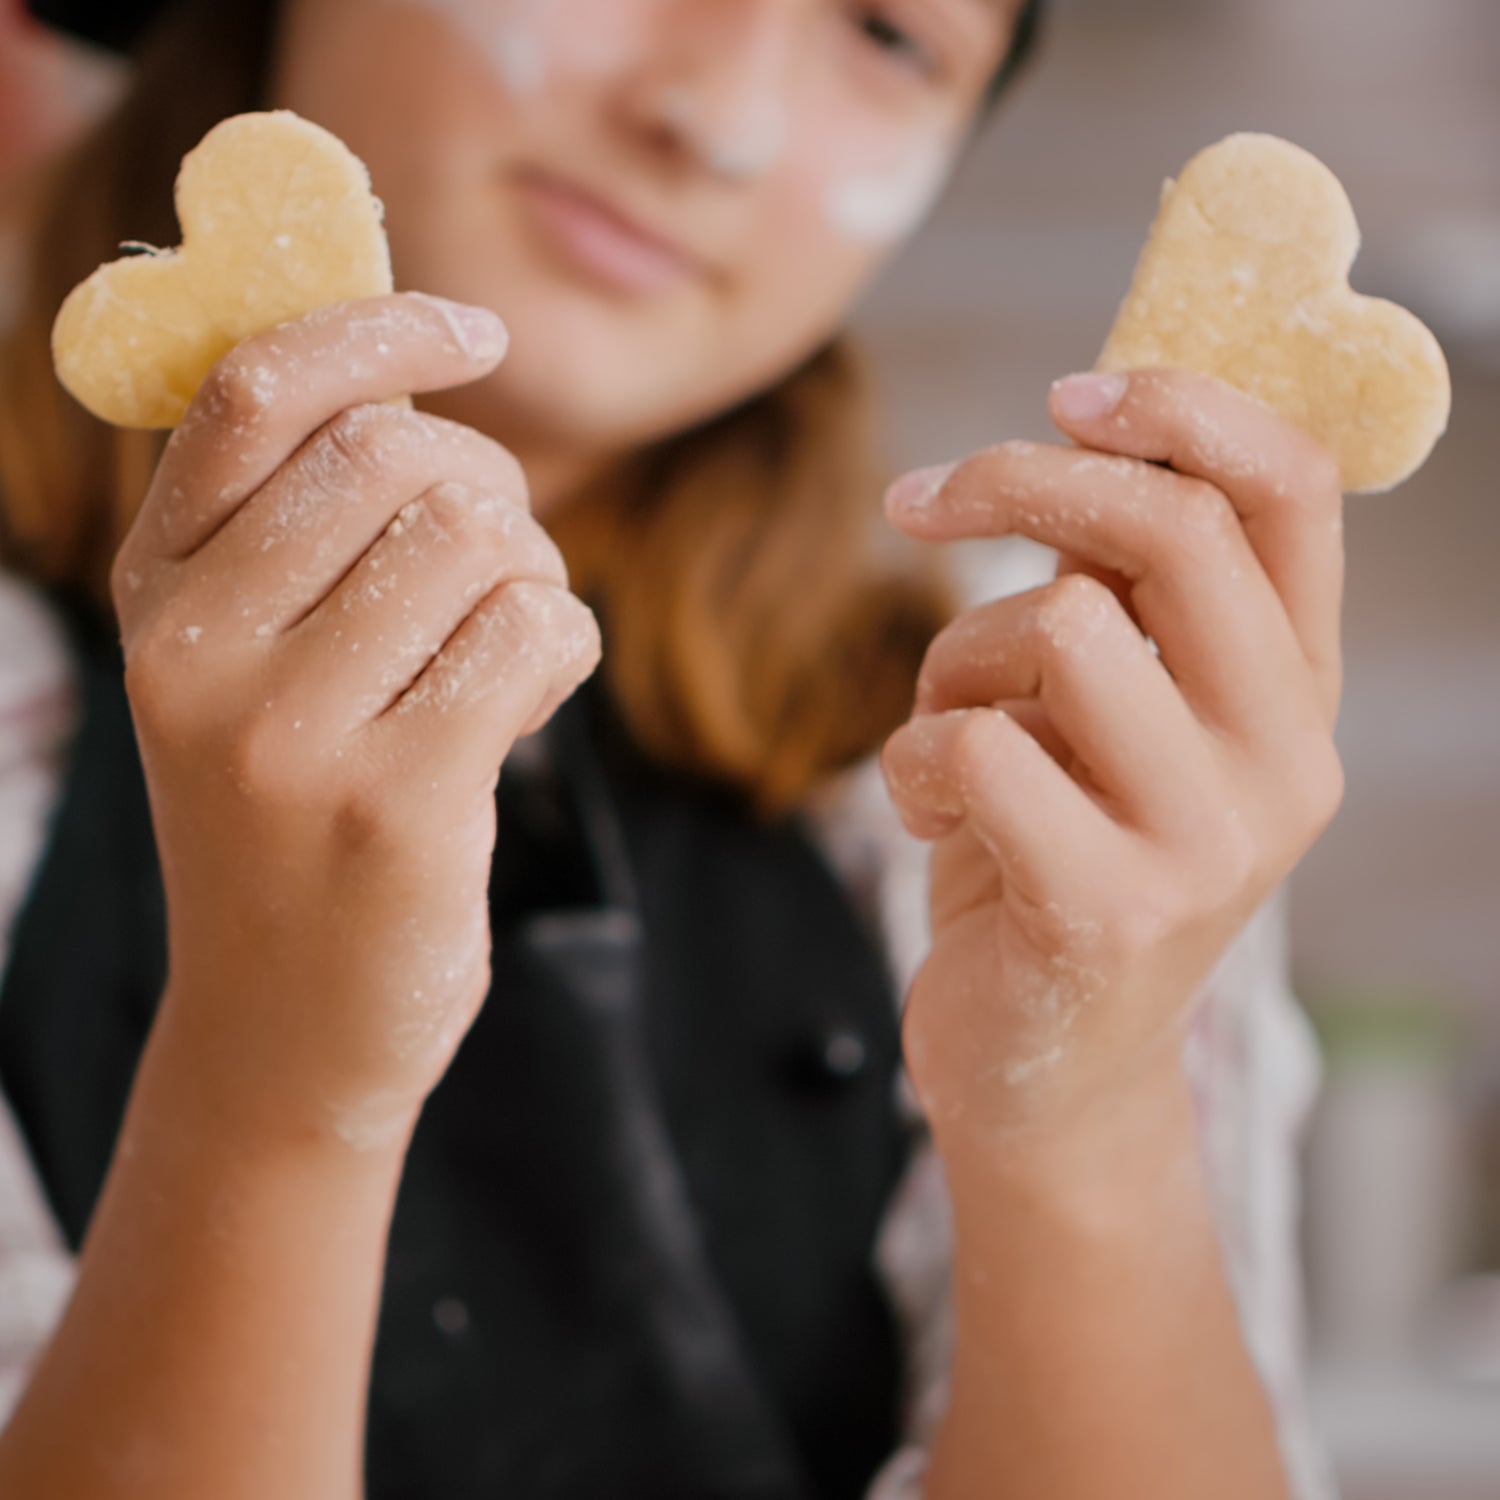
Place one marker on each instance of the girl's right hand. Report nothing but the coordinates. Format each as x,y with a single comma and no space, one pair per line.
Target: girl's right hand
337,617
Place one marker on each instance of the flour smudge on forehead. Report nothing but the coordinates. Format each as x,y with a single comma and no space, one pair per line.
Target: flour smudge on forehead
509,36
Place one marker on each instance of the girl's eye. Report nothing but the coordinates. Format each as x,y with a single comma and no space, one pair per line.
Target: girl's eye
887,36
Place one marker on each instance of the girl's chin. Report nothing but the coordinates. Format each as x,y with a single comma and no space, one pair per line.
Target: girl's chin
538,404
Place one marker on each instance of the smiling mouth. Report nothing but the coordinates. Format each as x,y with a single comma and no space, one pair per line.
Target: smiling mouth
599,241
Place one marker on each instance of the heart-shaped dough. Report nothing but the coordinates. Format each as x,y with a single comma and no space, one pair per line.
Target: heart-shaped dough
1246,276
277,219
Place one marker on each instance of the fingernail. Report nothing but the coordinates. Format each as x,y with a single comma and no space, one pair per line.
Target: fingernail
913,493
1087,397
477,331
486,336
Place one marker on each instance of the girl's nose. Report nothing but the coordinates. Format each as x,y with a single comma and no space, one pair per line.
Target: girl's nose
719,88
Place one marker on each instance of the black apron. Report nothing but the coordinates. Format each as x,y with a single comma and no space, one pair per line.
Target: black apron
632,1248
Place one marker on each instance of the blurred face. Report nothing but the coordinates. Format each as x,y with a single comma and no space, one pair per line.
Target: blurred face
670,202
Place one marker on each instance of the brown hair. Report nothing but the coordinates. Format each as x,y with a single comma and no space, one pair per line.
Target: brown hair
758,630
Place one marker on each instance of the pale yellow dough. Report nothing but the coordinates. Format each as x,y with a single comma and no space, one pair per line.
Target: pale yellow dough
277,219
1245,276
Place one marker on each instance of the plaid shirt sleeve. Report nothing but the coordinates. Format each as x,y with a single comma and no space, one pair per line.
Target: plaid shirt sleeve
37,713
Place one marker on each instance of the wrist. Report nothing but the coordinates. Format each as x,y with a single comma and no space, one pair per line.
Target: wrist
1108,1163
192,1088
1090,1294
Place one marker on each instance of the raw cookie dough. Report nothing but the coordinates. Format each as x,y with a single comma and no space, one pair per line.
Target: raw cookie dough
277,219
1245,276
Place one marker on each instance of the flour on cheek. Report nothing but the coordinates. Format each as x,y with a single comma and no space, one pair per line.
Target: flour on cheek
880,205
756,144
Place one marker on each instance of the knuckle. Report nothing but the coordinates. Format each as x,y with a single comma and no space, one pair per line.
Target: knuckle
1081,592
1134,918
563,627
364,818
1321,786
523,542
361,438
1141,924
579,635
890,757
928,688
149,680
532,607
480,453
1240,857
954,644
276,767
124,581
458,514
551,560
239,388
510,624
257,760
483,978
510,477
905,763
1201,512
1071,610
1231,866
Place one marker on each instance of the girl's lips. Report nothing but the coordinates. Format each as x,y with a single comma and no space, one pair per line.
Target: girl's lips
599,240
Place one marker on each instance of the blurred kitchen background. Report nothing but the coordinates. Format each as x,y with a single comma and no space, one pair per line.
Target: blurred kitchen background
1396,912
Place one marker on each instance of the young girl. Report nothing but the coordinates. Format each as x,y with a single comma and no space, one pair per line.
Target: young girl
330,878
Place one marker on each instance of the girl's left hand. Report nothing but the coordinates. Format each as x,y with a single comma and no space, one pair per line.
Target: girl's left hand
1106,817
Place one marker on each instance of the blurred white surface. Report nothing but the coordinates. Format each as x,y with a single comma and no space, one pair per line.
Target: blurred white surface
1403,1432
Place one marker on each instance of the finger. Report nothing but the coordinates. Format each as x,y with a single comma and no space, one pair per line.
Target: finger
1197,587
1031,715
405,597
520,653
1282,482
288,546
1070,644
978,766
1117,583
264,398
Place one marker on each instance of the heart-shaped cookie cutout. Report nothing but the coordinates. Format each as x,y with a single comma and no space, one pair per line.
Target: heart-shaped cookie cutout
277,219
1246,276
